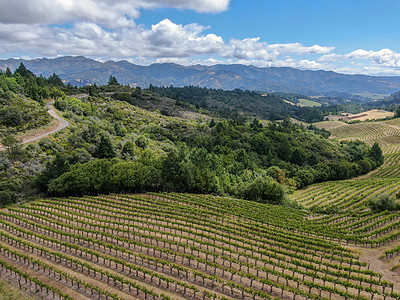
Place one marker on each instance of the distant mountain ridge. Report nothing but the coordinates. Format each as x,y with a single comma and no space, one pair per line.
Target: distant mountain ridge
81,71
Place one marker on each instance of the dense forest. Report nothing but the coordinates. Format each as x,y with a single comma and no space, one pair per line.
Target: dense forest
125,139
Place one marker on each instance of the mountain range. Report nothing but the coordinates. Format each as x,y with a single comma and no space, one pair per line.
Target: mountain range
81,71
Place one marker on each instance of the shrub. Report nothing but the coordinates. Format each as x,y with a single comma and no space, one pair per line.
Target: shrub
382,203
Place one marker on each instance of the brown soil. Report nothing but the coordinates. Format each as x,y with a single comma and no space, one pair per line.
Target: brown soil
380,265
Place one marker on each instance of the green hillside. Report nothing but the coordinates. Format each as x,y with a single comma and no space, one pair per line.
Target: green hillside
167,144
155,210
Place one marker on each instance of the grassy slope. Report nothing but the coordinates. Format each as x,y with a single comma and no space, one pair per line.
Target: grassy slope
306,102
30,114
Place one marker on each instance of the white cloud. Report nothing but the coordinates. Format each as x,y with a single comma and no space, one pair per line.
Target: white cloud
333,57
204,6
384,61
384,57
252,48
165,40
108,13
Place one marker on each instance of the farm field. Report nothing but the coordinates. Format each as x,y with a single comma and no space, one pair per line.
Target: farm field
348,198
386,133
306,102
188,246
178,246
374,114
351,195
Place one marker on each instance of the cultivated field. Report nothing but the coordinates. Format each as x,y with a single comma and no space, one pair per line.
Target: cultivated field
348,198
185,246
350,195
178,246
386,133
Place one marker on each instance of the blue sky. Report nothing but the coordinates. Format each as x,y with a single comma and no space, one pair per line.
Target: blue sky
347,25
350,36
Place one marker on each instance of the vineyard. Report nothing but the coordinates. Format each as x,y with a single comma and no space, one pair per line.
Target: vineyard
386,133
178,246
347,199
188,246
352,195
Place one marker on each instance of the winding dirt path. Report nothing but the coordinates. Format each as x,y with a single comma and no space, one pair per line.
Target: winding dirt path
41,133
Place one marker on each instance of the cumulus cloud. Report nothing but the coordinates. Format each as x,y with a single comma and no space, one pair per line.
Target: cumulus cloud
384,61
109,13
252,48
385,57
163,40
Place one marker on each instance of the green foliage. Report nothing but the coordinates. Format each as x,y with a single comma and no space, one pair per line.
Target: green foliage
382,203
23,71
397,112
11,116
228,103
58,166
112,80
74,105
129,148
376,153
142,142
6,197
13,146
105,148
263,189
55,80
88,178
136,150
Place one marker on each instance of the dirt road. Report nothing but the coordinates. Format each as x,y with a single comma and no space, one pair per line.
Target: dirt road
39,134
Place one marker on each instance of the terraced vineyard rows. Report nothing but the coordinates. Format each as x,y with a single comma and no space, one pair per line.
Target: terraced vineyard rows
347,195
385,132
353,194
352,220
174,246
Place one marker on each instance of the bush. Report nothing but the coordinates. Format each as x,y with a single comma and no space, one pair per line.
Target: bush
382,203
6,197
264,190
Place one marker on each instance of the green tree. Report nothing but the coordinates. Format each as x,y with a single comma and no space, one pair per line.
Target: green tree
397,112
55,168
129,148
23,71
105,148
88,178
11,116
263,189
212,123
55,80
8,72
142,142
298,157
376,153
112,80
382,203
